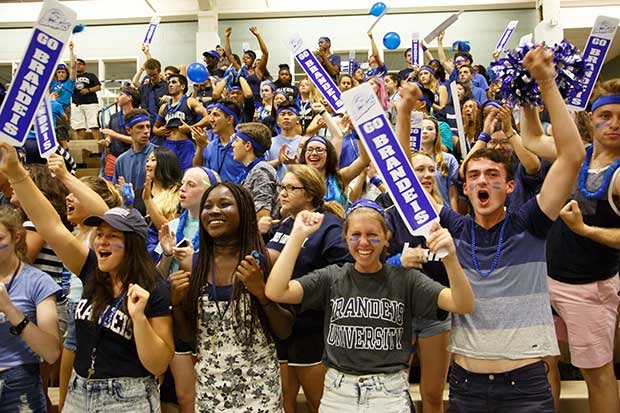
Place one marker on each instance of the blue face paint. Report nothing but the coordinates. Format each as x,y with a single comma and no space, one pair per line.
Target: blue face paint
600,125
117,246
496,186
4,246
372,240
471,187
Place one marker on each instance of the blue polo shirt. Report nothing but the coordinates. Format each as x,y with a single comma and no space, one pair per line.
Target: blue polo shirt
219,157
150,96
130,165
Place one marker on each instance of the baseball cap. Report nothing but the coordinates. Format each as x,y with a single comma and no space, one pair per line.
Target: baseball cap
122,219
212,53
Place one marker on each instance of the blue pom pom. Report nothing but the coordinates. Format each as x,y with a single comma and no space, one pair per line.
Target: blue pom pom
461,46
518,87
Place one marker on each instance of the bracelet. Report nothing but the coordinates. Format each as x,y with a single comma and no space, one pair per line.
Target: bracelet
511,135
548,80
376,181
168,255
424,48
484,137
322,112
17,181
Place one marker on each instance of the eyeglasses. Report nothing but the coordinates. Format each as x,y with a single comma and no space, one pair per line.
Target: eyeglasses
288,188
503,142
318,150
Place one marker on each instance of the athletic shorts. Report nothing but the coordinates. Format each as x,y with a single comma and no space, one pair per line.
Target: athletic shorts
301,350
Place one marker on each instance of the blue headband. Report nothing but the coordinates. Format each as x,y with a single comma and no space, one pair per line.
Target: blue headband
210,174
492,103
247,138
428,69
605,100
364,203
235,88
317,139
137,119
291,108
227,111
325,38
125,92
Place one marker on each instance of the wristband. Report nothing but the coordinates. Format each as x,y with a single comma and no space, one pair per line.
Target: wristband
484,137
17,330
376,181
322,112
168,255
395,260
511,135
424,48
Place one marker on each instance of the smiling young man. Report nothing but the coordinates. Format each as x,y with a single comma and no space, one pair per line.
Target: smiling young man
283,148
250,143
175,118
217,154
130,165
499,348
583,252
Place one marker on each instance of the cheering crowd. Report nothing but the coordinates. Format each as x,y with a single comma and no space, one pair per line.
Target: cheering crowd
239,244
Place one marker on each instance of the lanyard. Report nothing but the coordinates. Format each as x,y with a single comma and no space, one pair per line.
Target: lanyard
8,286
214,290
104,320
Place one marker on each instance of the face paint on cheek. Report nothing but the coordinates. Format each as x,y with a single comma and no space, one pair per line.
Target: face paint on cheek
371,240
117,246
600,125
471,187
496,186
3,246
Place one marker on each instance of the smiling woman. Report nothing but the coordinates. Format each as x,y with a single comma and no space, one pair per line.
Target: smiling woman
375,362
223,307
123,323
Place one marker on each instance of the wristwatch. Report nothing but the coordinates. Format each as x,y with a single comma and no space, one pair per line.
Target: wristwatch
17,330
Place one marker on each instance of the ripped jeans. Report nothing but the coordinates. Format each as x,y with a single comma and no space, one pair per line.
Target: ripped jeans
21,390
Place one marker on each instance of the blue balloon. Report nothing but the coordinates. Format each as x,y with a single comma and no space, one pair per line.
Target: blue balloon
391,40
197,72
377,9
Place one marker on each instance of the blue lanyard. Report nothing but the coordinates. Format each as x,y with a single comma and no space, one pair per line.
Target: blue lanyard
104,320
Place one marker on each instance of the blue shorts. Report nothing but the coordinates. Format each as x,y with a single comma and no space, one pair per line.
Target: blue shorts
21,389
184,150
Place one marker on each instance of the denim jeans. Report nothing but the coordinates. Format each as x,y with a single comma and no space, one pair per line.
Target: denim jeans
123,394
21,390
523,390
366,394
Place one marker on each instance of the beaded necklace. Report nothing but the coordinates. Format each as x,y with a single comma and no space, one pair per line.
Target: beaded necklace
498,250
583,176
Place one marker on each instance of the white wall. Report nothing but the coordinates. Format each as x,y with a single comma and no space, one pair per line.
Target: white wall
175,43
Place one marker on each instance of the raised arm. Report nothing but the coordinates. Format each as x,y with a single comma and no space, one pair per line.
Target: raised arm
533,136
228,50
410,93
563,172
572,217
90,200
357,166
72,62
529,160
41,212
261,69
445,62
375,49
280,288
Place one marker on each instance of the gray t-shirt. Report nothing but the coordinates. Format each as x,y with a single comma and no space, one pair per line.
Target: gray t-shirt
368,316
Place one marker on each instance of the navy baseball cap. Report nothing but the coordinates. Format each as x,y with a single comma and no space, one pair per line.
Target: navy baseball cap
122,219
